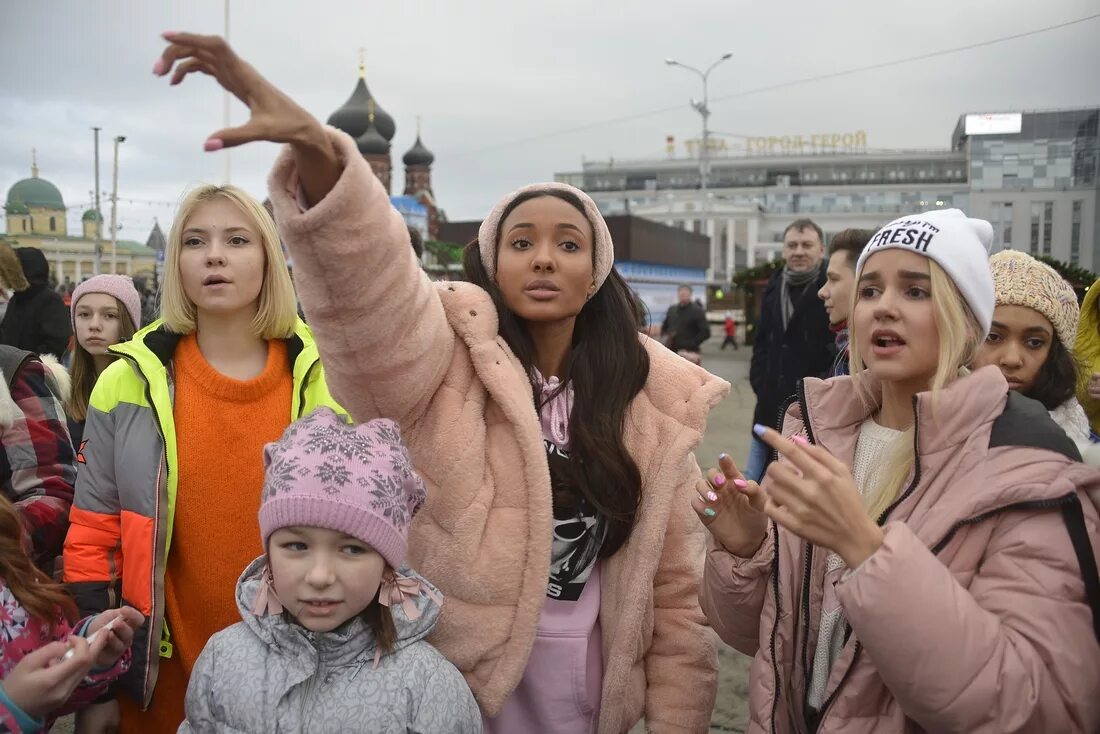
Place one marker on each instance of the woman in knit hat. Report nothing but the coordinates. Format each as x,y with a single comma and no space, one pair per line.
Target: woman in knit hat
170,471
1032,335
334,622
555,441
922,555
1088,355
106,310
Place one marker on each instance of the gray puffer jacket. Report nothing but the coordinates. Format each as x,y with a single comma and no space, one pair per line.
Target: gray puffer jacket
269,675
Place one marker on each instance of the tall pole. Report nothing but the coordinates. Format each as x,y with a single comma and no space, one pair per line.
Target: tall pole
114,210
225,103
98,218
703,109
704,172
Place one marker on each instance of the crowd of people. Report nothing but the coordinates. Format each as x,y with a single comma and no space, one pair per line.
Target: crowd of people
475,506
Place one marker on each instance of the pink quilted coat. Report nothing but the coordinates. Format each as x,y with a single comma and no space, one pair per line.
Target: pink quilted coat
971,617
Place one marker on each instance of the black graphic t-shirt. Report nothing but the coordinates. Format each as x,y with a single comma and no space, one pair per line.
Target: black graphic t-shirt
579,532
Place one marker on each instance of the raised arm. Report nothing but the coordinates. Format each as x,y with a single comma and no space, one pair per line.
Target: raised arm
379,324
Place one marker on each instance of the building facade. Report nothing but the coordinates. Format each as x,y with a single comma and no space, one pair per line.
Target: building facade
1042,178
1035,178
35,217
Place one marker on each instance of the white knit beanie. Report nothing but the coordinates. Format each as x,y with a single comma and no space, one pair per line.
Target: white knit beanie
960,245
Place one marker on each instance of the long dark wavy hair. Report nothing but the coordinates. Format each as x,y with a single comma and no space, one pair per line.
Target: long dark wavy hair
1057,379
608,367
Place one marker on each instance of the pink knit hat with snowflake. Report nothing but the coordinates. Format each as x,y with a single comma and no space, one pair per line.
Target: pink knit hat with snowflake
358,480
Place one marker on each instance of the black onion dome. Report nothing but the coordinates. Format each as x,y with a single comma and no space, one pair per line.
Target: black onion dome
354,117
371,142
418,155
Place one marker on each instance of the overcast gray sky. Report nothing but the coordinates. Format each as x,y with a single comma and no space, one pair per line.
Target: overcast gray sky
485,74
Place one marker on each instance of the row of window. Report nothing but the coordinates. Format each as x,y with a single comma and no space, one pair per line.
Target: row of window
1041,231
28,228
996,164
869,173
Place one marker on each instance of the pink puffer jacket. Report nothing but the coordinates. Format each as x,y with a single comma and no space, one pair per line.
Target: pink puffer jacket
430,357
971,617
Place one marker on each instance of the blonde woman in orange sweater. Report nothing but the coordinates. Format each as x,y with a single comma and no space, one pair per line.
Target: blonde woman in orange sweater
171,461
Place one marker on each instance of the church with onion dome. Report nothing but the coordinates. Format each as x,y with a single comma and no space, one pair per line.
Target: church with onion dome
35,216
364,119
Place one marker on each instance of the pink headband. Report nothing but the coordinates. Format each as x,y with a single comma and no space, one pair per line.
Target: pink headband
604,247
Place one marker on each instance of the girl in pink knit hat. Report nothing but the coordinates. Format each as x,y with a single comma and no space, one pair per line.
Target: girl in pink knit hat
106,310
334,624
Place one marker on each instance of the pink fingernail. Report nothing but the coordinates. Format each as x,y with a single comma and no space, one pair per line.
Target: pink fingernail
713,497
158,67
719,480
800,440
740,483
213,144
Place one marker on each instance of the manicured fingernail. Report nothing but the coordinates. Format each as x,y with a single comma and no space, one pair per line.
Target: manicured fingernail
166,34
800,440
213,144
719,480
712,496
158,68
759,429
723,456
709,512
740,483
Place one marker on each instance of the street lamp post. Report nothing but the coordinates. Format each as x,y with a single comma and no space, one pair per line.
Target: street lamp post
98,218
701,106
114,210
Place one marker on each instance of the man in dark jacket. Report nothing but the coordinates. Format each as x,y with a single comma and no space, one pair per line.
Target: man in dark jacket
37,319
792,338
685,327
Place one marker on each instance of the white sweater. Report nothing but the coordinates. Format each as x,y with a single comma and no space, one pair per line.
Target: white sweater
873,443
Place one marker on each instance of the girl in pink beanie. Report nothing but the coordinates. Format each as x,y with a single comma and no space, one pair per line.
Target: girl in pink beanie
334,624
106,310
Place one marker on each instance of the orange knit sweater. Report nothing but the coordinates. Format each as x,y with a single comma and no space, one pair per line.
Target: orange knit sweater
221,428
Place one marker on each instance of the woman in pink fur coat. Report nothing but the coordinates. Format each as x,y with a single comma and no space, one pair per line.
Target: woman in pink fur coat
556,443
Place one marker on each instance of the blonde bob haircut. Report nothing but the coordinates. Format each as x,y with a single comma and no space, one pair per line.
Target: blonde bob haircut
277,312
960,338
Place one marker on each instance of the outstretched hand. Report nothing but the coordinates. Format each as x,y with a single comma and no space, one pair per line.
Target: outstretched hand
274,116
812,494
732,509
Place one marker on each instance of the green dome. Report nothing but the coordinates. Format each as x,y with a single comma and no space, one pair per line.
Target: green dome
36,192
17,208
90,216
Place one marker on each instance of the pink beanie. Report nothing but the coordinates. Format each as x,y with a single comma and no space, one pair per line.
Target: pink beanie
119,286
604,248
358,480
